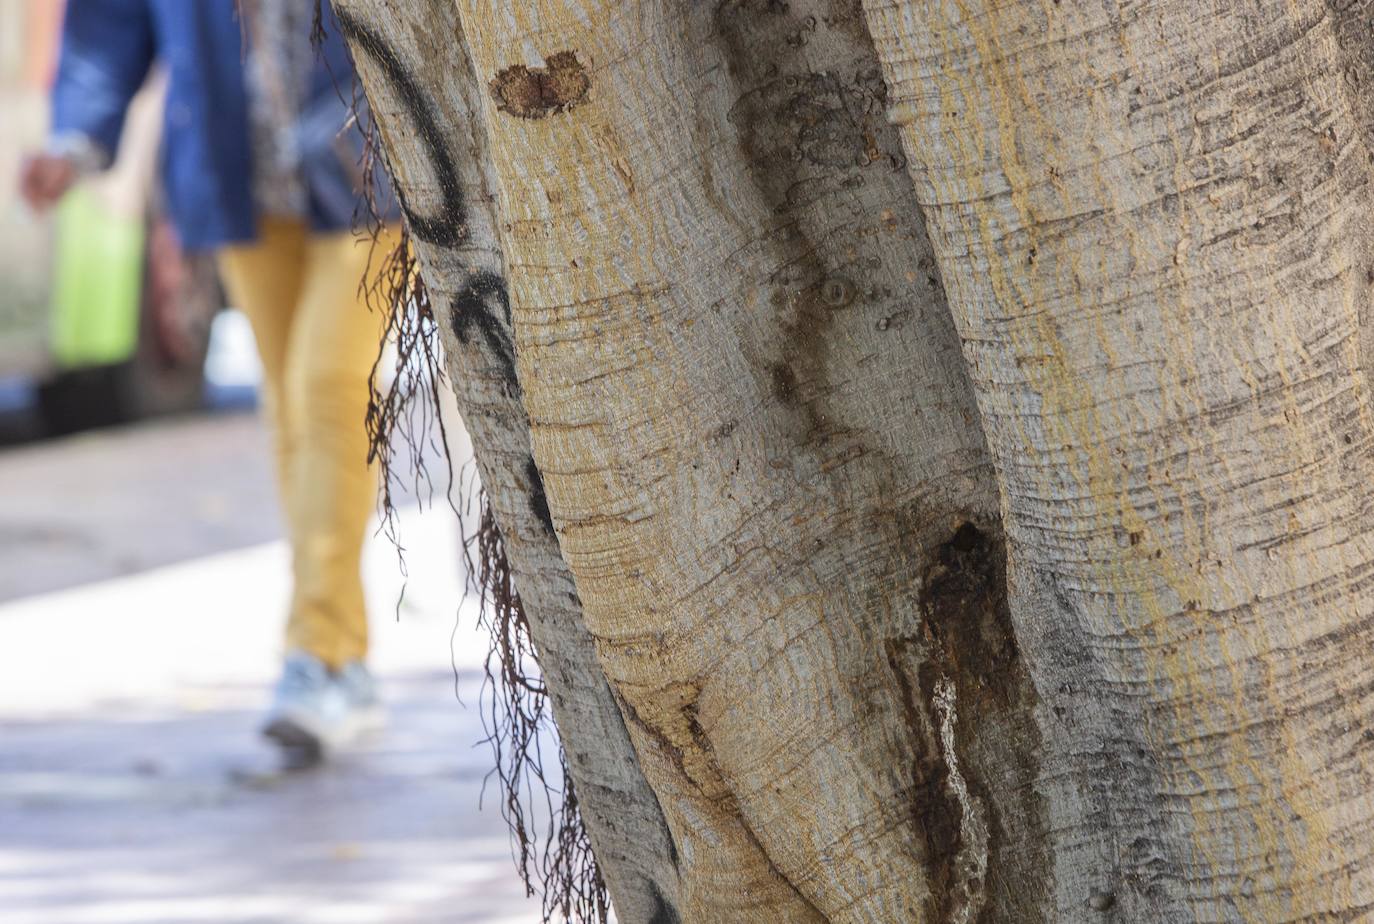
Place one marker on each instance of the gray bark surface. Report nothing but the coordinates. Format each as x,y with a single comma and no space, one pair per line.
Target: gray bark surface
411,59
1146,232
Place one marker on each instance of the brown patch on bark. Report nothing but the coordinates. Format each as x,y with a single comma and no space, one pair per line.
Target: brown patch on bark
795,378
969,707
783,381
538,92
969,642
810,134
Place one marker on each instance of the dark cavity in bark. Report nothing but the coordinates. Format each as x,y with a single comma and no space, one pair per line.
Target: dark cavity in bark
969,641
965,641
935,812
539,501
963,600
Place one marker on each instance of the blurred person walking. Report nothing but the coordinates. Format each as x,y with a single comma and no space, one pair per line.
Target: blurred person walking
261,167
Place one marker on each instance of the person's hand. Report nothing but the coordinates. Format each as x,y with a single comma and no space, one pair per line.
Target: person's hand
45,178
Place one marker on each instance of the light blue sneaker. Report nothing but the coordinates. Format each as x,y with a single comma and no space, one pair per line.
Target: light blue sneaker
315,711
364,705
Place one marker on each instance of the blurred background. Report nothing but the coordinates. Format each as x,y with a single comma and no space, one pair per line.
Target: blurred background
144,582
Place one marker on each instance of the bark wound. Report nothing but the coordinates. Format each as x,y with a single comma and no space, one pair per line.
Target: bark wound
970,649
967,622
968,682
936,814
538,92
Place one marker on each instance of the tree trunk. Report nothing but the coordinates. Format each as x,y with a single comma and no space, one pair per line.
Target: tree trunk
1043,600
1148,246
425,98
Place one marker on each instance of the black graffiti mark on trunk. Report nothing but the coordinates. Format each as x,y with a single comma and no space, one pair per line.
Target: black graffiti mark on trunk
449,228
482,308
539,501
663,913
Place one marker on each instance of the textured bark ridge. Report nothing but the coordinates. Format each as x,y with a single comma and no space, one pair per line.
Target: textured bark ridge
1146,234
423,93
1353,22
759,446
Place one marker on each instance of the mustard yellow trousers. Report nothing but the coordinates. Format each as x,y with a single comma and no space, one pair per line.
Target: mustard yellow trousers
318,341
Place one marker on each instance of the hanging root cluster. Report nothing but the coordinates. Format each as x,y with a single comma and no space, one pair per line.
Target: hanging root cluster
403,404
564,872
402,413
409,363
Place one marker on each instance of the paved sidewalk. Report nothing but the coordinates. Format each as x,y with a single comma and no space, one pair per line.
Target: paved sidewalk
133,788
117,502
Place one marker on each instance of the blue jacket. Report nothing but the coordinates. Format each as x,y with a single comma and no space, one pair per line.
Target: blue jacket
108,47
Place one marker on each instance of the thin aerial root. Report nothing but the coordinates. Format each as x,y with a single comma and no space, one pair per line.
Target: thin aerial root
564,871
403,406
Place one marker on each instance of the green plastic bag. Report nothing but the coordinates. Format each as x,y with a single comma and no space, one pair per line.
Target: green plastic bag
98,283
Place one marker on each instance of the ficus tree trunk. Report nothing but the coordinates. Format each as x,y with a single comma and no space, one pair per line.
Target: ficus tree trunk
930,438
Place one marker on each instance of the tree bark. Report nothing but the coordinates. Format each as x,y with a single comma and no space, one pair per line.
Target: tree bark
719,298
422,92
1353,21
1146,234
1045,599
